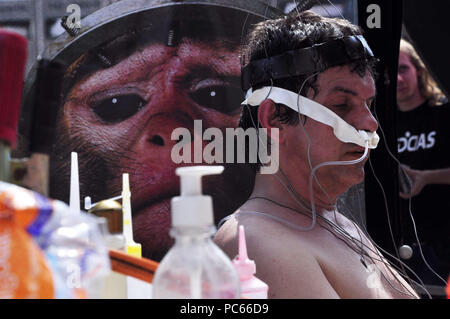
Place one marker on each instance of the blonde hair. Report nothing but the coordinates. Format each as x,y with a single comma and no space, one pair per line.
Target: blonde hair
427,86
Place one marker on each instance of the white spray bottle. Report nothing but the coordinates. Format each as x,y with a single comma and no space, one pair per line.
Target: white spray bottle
194,267
136,289
251,287
74,185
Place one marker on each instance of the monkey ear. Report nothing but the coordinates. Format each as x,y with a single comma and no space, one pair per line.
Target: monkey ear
266,112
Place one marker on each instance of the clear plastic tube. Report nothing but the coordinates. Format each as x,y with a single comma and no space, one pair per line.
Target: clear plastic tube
331,163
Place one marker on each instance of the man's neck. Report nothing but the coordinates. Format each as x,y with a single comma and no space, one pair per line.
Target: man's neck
412,103
271,186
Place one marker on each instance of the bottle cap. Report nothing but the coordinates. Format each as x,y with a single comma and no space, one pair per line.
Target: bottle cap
245,267
112,211
192,208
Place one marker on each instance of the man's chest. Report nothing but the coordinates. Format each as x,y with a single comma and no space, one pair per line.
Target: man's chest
355,270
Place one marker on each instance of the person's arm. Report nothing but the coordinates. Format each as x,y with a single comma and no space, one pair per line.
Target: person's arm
421,178
282,262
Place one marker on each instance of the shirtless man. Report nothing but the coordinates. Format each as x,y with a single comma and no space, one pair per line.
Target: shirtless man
334,259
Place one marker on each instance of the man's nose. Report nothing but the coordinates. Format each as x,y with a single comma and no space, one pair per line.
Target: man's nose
399,78
365,120
370,123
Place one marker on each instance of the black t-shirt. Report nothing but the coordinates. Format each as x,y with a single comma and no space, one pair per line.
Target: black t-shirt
424,143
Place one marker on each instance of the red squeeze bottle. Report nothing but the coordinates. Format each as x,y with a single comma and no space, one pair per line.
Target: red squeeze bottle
13,56
448,288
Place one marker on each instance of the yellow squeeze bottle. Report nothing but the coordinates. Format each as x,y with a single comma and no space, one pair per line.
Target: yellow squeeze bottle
132,248
136,289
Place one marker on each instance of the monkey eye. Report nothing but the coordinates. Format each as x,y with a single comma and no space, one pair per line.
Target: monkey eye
226,99
118,108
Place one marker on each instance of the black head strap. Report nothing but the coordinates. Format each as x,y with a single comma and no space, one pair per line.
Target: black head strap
306,61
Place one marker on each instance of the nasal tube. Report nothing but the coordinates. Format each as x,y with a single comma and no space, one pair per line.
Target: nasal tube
351,162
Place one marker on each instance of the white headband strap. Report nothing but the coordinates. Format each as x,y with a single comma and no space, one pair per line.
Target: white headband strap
341,129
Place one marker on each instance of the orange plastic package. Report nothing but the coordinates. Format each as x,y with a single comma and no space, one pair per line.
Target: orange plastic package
448,288
24,272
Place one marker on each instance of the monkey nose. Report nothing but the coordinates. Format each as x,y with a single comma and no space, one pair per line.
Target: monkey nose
158,133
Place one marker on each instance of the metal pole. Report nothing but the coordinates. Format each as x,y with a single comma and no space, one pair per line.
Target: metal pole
4,162
39,26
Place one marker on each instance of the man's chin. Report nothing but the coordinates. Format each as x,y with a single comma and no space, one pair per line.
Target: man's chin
151,226
352,177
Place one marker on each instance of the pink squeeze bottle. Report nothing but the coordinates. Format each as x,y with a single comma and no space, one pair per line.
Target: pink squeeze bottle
251,287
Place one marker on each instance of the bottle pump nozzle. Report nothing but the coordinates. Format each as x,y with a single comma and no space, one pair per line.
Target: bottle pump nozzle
190,178
192,208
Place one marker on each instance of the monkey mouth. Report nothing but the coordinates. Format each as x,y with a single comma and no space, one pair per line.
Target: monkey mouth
157,205
151,227
148,196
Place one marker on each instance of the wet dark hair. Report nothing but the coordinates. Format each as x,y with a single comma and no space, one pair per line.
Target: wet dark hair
294,31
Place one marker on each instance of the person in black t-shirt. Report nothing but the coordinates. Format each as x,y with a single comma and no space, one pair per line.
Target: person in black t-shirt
423,143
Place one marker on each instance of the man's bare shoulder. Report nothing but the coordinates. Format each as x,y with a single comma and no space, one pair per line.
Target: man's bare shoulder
283,257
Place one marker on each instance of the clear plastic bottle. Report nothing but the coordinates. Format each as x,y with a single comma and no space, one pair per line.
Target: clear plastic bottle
76,252
195,267
110,212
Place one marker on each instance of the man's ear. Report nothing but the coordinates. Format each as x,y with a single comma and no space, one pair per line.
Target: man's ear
266,112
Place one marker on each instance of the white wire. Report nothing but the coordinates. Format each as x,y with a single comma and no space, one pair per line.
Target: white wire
420,248
410,210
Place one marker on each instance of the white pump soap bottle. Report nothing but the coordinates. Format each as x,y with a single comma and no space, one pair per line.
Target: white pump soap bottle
195,268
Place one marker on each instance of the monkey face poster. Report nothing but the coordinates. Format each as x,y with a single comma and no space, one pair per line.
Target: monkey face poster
129,83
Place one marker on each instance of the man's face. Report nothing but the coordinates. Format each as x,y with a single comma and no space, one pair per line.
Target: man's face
349,96
407,86
120,120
